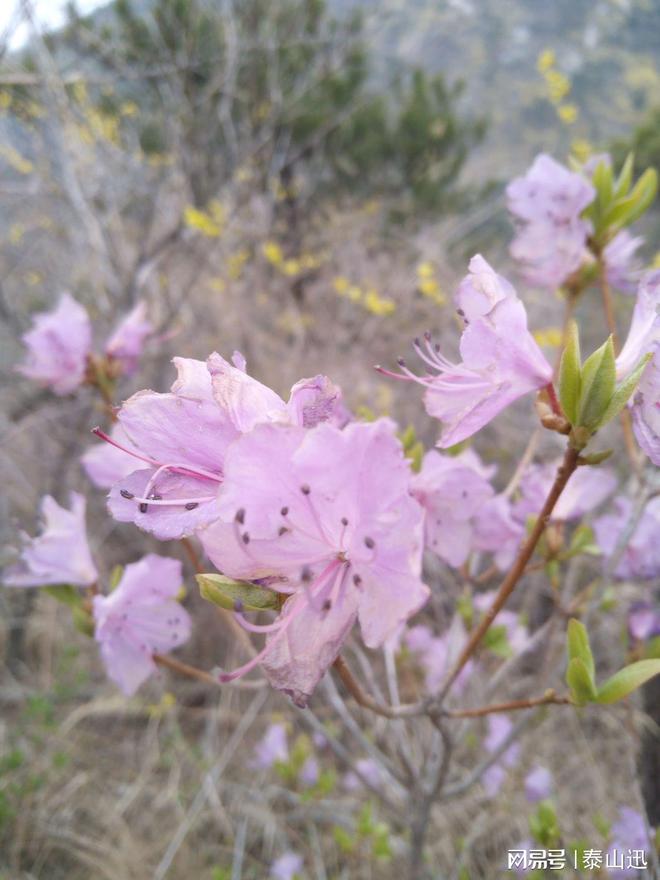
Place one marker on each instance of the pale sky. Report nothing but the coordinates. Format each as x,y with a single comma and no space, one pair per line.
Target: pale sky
49,12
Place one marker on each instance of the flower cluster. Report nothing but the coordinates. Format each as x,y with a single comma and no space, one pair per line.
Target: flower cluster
59,345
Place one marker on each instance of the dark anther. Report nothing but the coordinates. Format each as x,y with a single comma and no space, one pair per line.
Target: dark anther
369,542
284,511
357,580
156,497
327,605
427,335
246,538
306,574
126,494
305,489
400,361
344,521
144,507
460,312
238,606
191,505
417,342
240,515
282,531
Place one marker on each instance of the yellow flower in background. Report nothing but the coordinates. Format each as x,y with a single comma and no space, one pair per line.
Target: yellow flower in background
16,160
33,277
5,99
273,253
236,262
546,60
550,337
568,113
428,284
200,221
558,85
425,270
166,704
581,149
129,108
217,284
655,263
378,305
341,284
291,267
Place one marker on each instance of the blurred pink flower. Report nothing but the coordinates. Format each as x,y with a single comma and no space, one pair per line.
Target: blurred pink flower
586,489
452,490
370,770
139,618
551,237
327,511
437,654
59,345
629,833
641,557
287,867
60,554
126,343
645,410
644,621
271,748
498,729
500,359
623,270
517,633
538,784
182,438
644,333
497,531
106,464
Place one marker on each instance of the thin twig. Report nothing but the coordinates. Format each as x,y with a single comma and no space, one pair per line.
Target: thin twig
549,698
564,472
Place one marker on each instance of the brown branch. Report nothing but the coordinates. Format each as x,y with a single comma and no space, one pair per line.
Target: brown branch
367,701
549,698
184,669
566,469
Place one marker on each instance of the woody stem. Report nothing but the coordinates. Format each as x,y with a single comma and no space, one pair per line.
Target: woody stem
566,469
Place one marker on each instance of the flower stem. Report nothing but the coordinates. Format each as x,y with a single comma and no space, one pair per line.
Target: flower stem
566,469
184,669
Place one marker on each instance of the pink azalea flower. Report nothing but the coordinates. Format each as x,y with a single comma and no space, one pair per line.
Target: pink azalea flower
271,748
547,203
641,557
287,867
329,513
587,488
59,345
629,833
497,531
623,270
538,784
310,771
369,770
500,359
106,463
60,554
437,654
452,491
517,633
139,618
126,343
644,334
498,729
644,621
181,439
645,410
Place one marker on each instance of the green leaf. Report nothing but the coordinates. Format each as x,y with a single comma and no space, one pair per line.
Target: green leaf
229,594
496,640
582,541
580,682
602,181
627,680
624,392
596,457
65,593
115,577
624,179
578,644
83,621
570,378
598,385
644,193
